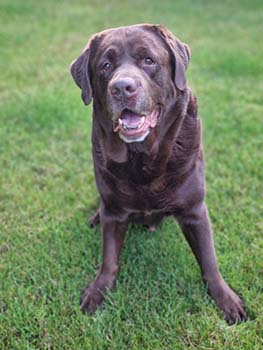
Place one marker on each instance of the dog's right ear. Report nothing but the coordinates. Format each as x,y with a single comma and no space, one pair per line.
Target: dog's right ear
180,54
79,69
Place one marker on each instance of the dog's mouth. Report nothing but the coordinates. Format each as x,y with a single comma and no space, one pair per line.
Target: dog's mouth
135,127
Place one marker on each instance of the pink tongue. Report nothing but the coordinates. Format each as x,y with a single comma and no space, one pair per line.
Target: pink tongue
130,118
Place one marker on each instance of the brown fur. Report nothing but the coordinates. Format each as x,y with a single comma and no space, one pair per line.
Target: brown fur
162,175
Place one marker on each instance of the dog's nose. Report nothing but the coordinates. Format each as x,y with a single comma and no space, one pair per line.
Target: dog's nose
126,87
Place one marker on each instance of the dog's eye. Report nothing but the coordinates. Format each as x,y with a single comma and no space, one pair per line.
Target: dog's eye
106,67
149,61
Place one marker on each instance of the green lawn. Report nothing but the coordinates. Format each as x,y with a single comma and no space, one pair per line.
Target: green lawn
47,190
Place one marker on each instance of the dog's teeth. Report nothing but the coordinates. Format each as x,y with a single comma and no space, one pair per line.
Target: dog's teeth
122,124
141,123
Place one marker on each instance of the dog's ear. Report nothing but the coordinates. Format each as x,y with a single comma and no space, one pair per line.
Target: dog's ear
79,69
181,55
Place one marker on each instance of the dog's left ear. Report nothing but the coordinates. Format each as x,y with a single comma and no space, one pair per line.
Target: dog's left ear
79,69
181,55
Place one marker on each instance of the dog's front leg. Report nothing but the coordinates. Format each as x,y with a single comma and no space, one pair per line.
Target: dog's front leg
197,230
113,233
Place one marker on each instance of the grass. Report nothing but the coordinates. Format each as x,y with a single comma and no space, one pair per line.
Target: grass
47,190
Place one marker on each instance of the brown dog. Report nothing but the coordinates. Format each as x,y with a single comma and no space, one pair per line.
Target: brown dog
147,150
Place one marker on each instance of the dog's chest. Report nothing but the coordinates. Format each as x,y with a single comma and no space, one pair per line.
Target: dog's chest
140,170
133,187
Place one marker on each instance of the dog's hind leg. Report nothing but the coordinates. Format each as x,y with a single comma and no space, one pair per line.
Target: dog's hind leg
94,220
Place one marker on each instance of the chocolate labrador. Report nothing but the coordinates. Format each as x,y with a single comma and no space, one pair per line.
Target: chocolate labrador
147,150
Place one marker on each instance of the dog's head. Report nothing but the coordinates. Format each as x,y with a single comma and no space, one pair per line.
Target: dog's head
133,73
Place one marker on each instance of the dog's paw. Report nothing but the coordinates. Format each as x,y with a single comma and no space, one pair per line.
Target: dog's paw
151,228
93,296
229,303
233,309
91,299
